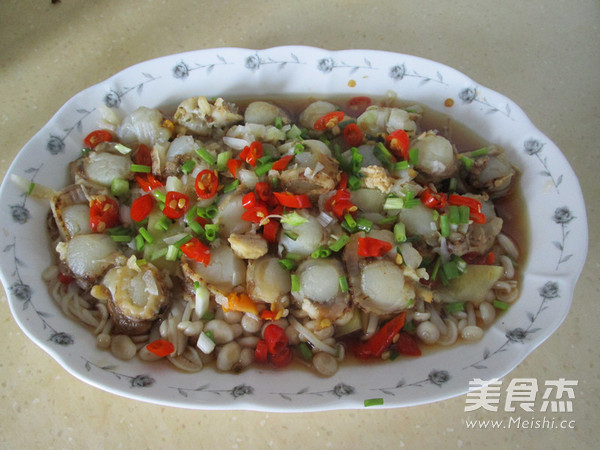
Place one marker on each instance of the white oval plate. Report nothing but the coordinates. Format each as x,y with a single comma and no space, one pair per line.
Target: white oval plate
558,235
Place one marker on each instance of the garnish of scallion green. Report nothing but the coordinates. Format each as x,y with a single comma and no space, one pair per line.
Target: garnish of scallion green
206,156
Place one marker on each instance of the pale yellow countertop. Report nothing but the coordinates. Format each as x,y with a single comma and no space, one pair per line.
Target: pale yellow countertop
543,54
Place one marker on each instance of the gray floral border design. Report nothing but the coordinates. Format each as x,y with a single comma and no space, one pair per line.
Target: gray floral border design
135,381
236,392
23,292
114,97
470,95
328,65
562,216
547,292
534,147
435,377
339,390
254,62
56,143
399,72
182,69
18,211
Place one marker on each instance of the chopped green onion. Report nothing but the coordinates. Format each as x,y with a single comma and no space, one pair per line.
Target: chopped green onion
159,195
450,270
139,242
393,202
454,215
182,241
172,253
410,201
163,223
147,237
343,284
209,335
382,154
453,184
468,162
160,253
122,149
140,262
435,215
120,237
196,228
356,160
400,232
436,268
294,256
141,168
464,214
222,159
85,151
293,133
231,186
413,156
324,140
354,183
321,252
208,316
410,302
287,264
293,236
293,218
500,305
364,224
188,166
298,148
480,152
266,159
263,169
211,231
295,282
350,220
340,243
401,165
119,187
206,156
373,402
387,220
455,307
278,122
305,351
444,225
208,212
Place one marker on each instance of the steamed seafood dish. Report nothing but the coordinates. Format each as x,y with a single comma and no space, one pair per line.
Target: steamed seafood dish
264,232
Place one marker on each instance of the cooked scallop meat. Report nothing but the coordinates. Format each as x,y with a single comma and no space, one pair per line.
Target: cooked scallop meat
71,211
266,280
492,173
225,272
382,120
265,113
302,239
143,126
203,117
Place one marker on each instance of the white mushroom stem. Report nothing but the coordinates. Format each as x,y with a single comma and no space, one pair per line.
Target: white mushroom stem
316,342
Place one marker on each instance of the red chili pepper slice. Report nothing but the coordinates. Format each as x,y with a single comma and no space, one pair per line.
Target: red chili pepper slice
255,214
358,105
381,340
339,204
474,206
399,143
270,230
276,338
233,165
252,153
353,135
104,213
161,347
371,247
263,190
432,199
283,358
196,250
282,163
176,205
65,279
261,352
147,181
207,183
143,156
249,200
141,207
407,345
329,120
343,184
292,201
96,137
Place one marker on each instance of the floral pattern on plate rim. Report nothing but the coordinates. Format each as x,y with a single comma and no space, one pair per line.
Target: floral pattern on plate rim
563,216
